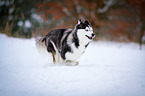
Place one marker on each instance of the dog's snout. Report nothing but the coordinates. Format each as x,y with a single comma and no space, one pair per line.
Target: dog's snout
93,34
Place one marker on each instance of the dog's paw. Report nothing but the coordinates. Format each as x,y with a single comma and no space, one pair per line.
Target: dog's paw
71,63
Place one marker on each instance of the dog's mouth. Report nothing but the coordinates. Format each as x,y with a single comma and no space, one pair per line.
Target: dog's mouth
90,37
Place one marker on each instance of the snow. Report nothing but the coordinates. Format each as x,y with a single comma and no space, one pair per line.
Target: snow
37,17
105,69
20,23
28,24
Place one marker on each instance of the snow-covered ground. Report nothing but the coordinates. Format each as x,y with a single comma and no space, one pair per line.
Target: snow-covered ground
106,69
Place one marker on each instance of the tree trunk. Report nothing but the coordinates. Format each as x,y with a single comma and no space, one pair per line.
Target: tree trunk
141,34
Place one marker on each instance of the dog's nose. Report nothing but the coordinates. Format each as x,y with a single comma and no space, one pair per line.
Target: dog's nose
93,34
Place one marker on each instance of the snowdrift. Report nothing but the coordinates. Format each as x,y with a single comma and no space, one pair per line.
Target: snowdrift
106,69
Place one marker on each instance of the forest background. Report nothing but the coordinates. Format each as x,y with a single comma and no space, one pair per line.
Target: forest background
113,20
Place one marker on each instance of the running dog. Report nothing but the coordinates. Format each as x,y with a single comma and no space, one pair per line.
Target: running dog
67,45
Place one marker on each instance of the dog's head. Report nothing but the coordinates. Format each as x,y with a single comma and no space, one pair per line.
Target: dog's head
85,30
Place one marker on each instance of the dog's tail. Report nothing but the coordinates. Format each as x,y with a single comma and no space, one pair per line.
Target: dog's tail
40,45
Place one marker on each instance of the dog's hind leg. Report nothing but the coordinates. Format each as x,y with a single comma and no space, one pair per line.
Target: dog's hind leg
53,55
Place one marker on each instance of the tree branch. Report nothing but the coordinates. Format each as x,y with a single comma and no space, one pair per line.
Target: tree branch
108,4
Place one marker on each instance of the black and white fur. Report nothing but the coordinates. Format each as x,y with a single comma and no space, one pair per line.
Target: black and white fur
67,45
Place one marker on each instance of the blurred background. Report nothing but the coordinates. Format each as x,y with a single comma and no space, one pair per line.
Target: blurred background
113,20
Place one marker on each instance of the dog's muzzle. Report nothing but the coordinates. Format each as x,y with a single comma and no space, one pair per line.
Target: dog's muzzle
91,37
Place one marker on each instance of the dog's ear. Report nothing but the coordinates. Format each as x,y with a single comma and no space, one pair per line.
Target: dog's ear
87,22
79,21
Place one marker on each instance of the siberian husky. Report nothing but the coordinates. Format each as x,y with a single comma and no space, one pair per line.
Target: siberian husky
67,45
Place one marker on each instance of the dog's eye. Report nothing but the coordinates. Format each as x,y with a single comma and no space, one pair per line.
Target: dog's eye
86,30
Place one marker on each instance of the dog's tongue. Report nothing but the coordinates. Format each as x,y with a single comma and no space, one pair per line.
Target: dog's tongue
93,37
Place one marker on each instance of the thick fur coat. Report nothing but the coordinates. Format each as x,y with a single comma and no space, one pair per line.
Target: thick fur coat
67,45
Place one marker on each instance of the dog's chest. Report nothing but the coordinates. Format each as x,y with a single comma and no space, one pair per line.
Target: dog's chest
76,52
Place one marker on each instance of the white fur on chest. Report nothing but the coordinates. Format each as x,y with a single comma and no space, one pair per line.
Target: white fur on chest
77,52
